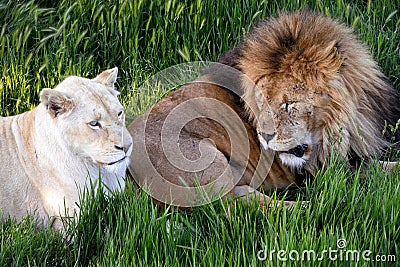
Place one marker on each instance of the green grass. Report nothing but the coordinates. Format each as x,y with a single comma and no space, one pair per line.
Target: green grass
42,42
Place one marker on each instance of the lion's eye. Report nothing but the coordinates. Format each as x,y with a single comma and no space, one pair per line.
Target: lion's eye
94,124
120,113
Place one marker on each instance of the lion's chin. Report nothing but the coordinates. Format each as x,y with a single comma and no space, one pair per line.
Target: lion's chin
291,160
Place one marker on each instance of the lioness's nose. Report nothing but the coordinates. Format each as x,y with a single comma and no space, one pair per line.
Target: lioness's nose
118,147
125,148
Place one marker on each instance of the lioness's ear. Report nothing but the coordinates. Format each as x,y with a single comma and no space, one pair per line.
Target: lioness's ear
107,77
56,102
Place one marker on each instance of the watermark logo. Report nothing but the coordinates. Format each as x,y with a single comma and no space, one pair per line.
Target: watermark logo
178,158
338,253
341,243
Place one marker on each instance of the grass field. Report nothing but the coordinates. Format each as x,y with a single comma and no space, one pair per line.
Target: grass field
42,42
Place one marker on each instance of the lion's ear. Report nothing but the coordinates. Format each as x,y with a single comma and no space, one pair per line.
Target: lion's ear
56,102
107,77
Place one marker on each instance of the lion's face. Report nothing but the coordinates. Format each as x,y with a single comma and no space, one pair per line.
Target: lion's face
290,118
317,90
90,118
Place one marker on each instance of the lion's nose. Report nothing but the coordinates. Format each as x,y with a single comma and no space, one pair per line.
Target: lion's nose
267,137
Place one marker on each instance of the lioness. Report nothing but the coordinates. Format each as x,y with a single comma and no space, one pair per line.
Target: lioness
302,85
51,152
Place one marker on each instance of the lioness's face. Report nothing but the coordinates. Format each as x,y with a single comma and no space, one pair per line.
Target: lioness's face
290,116
90,118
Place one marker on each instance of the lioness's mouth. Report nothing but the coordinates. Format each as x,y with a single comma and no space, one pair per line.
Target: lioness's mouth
115,162
298,151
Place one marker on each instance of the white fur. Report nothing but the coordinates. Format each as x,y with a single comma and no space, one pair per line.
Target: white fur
292,161
41,173
264,143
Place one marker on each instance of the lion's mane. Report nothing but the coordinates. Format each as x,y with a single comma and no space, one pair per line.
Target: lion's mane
326,54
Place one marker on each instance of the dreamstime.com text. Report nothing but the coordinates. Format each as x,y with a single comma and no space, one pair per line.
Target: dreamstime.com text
340,253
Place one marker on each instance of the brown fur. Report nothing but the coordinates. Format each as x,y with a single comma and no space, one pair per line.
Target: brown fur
350,95
307,74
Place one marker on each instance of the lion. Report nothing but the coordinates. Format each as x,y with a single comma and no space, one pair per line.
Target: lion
52,153
304,86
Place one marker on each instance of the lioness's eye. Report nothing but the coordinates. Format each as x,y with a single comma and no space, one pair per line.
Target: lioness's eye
94,124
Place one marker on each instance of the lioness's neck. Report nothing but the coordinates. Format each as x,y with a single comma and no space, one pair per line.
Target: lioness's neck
50,155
